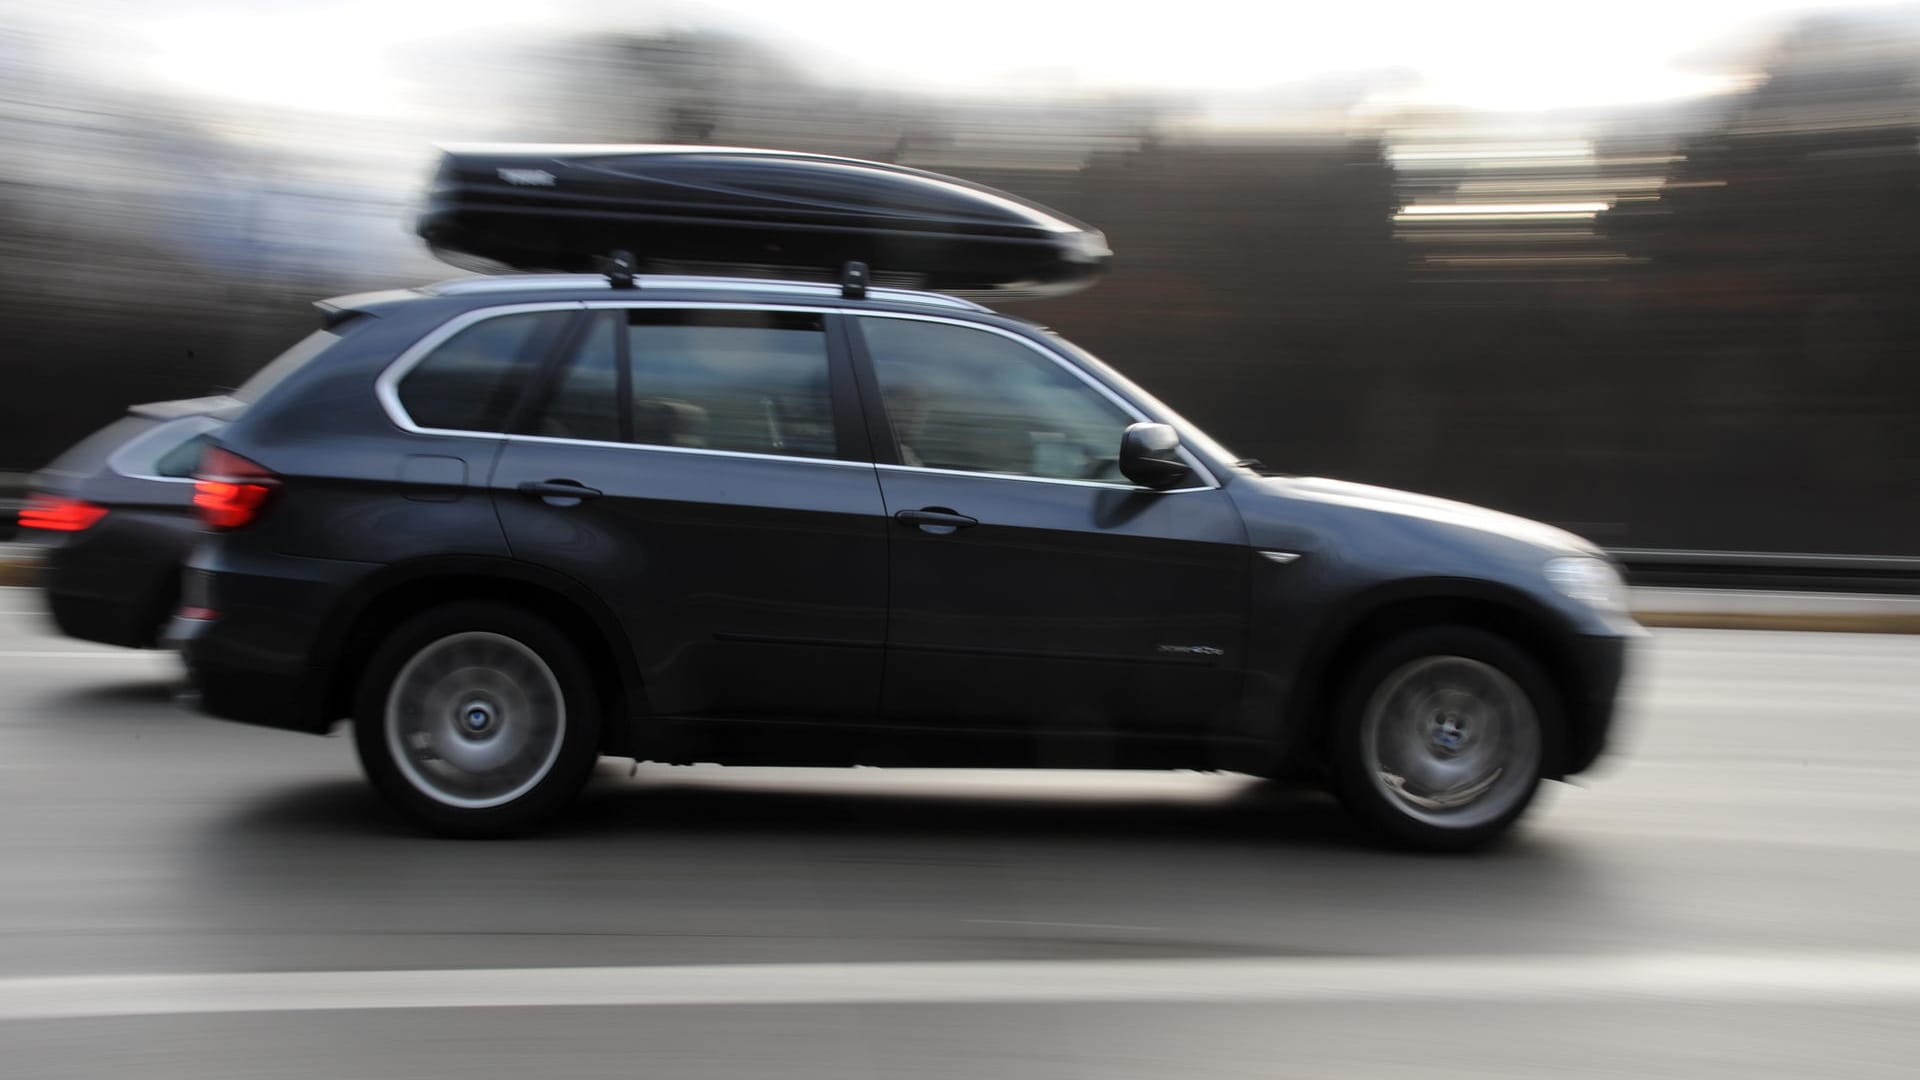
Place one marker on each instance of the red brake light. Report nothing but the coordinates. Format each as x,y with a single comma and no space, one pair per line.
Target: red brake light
59,514
229,489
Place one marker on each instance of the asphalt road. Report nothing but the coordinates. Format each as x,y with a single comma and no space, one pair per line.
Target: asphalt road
1734,893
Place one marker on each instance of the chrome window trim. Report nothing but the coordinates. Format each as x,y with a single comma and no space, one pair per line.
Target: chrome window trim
387,386
1104,485
1108,392
655,447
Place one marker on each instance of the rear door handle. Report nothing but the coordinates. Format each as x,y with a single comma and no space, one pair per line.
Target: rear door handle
937,520
558,492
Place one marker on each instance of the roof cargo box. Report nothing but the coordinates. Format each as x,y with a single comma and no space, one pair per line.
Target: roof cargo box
749,212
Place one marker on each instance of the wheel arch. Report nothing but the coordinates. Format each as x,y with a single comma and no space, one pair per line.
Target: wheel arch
395,592
1400,607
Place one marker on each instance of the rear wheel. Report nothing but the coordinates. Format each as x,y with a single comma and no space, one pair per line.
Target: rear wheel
477,720
1441,737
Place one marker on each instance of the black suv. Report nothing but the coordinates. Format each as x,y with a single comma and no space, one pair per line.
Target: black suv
508,525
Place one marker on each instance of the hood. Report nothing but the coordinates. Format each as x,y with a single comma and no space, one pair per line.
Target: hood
1429,508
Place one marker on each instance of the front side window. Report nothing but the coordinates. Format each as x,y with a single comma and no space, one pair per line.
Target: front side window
470,381
974,401
738,380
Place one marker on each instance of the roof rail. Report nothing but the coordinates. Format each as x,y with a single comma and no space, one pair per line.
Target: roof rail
501,283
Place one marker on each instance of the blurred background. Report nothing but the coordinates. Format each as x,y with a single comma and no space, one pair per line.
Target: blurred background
1644,270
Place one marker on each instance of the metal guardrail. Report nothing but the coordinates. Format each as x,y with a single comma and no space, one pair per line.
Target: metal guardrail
1791,571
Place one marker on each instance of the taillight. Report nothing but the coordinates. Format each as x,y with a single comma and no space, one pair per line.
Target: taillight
229,489
56,513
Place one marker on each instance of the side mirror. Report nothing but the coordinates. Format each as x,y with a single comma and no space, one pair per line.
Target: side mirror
1150,456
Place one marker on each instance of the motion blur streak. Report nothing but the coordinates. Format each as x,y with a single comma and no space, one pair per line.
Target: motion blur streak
1674,977
1667,282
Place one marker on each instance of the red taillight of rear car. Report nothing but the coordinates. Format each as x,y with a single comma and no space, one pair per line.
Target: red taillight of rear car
56,513
229,490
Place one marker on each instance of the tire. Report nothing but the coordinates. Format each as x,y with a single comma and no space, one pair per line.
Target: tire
1441,737
477,720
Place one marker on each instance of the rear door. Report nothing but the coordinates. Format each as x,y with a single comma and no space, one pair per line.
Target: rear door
705,470
1034,587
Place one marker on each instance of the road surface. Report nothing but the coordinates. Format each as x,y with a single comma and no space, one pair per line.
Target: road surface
1735,893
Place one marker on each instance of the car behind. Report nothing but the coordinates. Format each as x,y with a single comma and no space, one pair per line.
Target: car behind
113,518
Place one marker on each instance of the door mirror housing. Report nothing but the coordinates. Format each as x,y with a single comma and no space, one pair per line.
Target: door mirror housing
1150,456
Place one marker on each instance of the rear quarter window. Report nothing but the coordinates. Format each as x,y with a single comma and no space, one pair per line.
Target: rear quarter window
180,462
169,451
470,381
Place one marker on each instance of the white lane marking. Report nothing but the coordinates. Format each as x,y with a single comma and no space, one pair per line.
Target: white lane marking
1824,978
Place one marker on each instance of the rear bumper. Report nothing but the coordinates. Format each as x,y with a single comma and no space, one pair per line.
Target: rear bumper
252,660
1599,664
117,583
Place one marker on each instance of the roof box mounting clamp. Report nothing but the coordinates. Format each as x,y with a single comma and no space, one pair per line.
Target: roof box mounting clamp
620,267
853,281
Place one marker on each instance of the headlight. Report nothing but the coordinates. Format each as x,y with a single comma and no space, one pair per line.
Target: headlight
1589,580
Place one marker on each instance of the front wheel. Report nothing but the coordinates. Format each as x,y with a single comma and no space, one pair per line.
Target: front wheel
477,720
1441,737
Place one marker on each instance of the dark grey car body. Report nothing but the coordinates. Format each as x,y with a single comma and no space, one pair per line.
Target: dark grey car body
747,609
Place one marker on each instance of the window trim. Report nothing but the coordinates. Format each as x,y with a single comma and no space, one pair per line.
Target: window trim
869,378
386,387
655,448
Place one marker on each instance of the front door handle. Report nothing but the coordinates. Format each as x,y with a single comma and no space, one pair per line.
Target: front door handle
937,520
558,492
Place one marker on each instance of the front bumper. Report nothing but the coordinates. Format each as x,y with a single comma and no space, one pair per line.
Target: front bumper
1597,666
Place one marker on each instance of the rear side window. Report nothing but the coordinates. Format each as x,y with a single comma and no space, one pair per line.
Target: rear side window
180,462
586,401
745,381
470,381
169,450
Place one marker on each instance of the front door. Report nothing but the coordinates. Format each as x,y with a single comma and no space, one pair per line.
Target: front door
1034,587
696,468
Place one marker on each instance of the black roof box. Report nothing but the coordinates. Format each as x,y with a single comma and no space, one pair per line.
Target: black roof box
749,212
